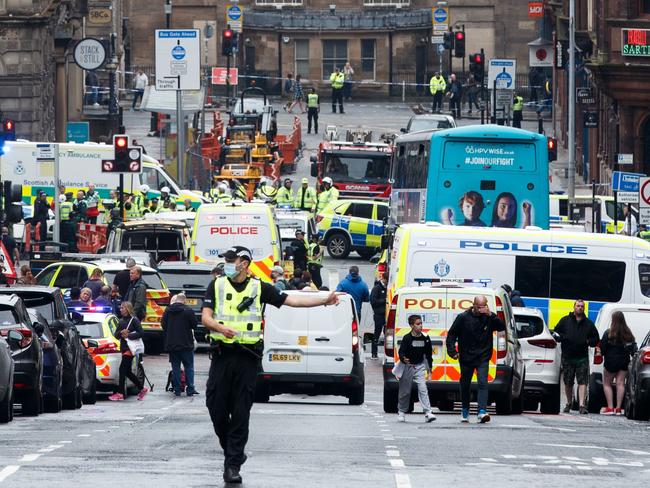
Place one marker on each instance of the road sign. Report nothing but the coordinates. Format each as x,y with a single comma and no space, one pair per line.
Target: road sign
219,76
437,40
644,216
45,153
622,181
625,159
504,100
178,59
585,96
535,9
502,71
235,17
440,18
644,192
89,54
627,197
77,132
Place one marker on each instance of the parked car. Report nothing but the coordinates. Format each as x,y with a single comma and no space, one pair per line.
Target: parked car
314,350
428,122
52,362
7,376
192,279
542,357
166,240
637,388
78,368
27,355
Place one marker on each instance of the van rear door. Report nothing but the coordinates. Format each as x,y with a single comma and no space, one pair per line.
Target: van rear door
285,340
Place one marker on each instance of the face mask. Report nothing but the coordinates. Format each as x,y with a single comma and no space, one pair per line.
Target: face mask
230,270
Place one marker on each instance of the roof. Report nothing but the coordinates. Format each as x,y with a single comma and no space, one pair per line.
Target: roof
170,265
18,289
9,299
108,265
432,116
490,131
154,223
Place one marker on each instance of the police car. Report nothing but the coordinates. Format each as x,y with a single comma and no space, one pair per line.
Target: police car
352,225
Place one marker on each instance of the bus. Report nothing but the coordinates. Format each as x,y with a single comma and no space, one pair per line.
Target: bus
478,176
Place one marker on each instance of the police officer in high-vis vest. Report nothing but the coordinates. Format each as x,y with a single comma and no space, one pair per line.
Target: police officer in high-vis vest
337,80
517,110
437,87
313,107
67,225
305,197
232,311
315,260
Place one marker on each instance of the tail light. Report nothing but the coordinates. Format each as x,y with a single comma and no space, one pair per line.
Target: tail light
598,357
163,300
502,345
645,356
262,331
26,333
355,336
319,217
545,343
108,348
389,330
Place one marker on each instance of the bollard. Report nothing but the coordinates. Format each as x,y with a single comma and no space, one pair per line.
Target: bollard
403,91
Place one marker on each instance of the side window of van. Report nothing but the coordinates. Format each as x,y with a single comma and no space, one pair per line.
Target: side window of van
589,279
644,279
150,177
532,276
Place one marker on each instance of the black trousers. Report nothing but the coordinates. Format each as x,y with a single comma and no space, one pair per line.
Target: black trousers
126,372
312,115
229,398
314,271
380,322
454,107
337,96
517,117
437,102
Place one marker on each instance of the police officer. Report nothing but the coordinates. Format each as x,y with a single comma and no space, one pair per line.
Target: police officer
223,195
285,197
66,226
305,197
437,87
138,200
165,196
233,311
313,107
315,260
337,80
517,110
327,195
154,207
214,190
266,191
644,233
132,212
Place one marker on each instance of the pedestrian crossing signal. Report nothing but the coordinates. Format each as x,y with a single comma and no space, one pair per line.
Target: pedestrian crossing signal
552,148
477,66
227,42
9,129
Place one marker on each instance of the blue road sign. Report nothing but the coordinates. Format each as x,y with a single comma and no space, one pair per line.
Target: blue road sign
234,12
77,132
440,15
622,181
178,52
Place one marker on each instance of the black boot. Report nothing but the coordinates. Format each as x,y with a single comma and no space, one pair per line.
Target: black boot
231,474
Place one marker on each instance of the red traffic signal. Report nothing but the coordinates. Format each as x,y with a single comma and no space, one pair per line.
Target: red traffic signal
121,142
459,44
9,130
460,36
227,34
551,143
475,58
8,125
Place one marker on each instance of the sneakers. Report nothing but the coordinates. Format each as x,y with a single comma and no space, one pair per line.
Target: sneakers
192,393
429,417
618,412
567,408
116,397
177,393
401,417
464,416
583,410
607,411
143,393
483,417
374,356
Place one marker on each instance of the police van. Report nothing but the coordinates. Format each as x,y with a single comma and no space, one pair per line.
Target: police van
551,269
559,211
439,304
219,226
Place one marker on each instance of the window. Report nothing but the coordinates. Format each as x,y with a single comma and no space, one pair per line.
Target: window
382,212
589,279
335,55
151,279
528,326
150,178
83,276
645,6
45,278
302,57
362,210
8,316
532,276
67,277
644,279
368,59
91,330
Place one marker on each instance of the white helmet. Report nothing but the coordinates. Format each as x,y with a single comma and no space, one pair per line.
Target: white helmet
223,187
62,198
327,180
164,189
144,188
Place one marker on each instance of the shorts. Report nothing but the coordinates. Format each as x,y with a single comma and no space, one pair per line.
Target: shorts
572,373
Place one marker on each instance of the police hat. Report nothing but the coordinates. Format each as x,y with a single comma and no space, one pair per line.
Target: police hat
237,252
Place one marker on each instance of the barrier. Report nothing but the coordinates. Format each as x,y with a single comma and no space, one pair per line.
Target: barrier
27,237
91,237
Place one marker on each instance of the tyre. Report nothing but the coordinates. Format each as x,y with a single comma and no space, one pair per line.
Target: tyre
54,404
641,411
338,245
504,402
551,402
628,406
7,407
32,405
357,396
90,398
78,399
531,405
69,400
446,405
390,401
262,394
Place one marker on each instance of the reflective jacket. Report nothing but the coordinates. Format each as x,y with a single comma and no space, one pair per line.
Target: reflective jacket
247,323
437,84
284,196
65,209
337,80
310,198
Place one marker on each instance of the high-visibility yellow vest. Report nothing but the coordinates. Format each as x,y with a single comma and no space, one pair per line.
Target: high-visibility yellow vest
312,100
645,234
107,211
132,213
310,198
248,323
138,202
222,198
437,84
284,196
312,257
65,209
519,104
266,192
337,80
326,197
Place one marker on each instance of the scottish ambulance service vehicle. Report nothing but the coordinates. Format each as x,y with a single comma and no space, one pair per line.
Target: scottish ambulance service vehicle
559,210
439,305
219,226
550,268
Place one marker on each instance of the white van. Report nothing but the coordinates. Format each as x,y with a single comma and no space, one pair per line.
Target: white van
219,226
439,306
559,210
637,318
314,350
551,269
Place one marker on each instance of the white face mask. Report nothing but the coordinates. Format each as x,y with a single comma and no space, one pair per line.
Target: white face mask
230,270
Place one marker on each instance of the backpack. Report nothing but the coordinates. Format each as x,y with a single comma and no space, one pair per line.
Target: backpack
169,386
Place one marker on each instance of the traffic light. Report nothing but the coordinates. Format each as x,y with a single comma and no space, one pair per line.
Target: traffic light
477,66
227,42
127,159
459,44
551,142
448,40
9,129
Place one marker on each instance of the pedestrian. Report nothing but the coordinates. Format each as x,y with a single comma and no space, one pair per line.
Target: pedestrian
288,89
67,231
137,292
329,193
378,304
337,79
472,331
187,206
128,328
630,226
305,197
299,248
277,277
26,276
315,260
86,297
306,278
95,282
284,197
140,83
122,278
313,109
178,324
415,355
138,200
577,334
223,194
354,286
298,95
92,89
41,215
104,299
92,204
455,94
296,283
617,346
517,110
437,87
165,196
514,295
535,77
348,72
473,89
266,191
10,246
75,298
232,311
80,207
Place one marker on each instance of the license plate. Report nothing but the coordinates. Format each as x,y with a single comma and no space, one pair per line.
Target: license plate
192,301
292,358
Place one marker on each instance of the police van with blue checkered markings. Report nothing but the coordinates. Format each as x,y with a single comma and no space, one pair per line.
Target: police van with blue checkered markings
352,225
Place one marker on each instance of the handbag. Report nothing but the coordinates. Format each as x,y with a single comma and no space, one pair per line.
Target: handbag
136,346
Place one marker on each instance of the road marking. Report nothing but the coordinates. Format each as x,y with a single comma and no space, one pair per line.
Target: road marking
396,463
83,435
392,453
65,442
573,446
385,430
529,465
402,481
51,448
8,471
391,447
540,427
99,430
28,458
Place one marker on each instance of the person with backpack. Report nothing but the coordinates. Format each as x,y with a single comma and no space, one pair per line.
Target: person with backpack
617,346
178,324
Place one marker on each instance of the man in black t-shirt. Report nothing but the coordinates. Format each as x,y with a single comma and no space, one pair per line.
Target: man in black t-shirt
232,312
122,279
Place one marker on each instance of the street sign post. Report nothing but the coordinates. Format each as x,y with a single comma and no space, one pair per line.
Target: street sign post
628,197
49,154
502,72
622,181
235,17
625,159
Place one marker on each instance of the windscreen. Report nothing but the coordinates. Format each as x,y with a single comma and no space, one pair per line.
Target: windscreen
151,279
184,278
428,124
43,304
90,330
360,167
7,316
288,227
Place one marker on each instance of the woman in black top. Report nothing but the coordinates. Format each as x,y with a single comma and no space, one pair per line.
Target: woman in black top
616,346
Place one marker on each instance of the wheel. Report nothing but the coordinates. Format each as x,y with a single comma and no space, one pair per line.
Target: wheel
551,402
390,401
446,405
69,399
504,402
628,406
518,403
90,398
262,394
531,405
357,395
54,404
641,411
7,407
78,400
595,396
338,245
366,254
32,405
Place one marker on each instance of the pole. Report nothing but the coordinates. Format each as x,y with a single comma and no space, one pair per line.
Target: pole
572,102
593,206
616,168
120,197
228,81
168,14
112,86
483,102
494,102
180,136
57,206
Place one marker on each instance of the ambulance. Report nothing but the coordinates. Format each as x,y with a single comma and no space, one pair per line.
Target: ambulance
80,165
550,268
439,303
219,226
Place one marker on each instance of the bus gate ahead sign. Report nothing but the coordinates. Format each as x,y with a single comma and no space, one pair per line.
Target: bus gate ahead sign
635,42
